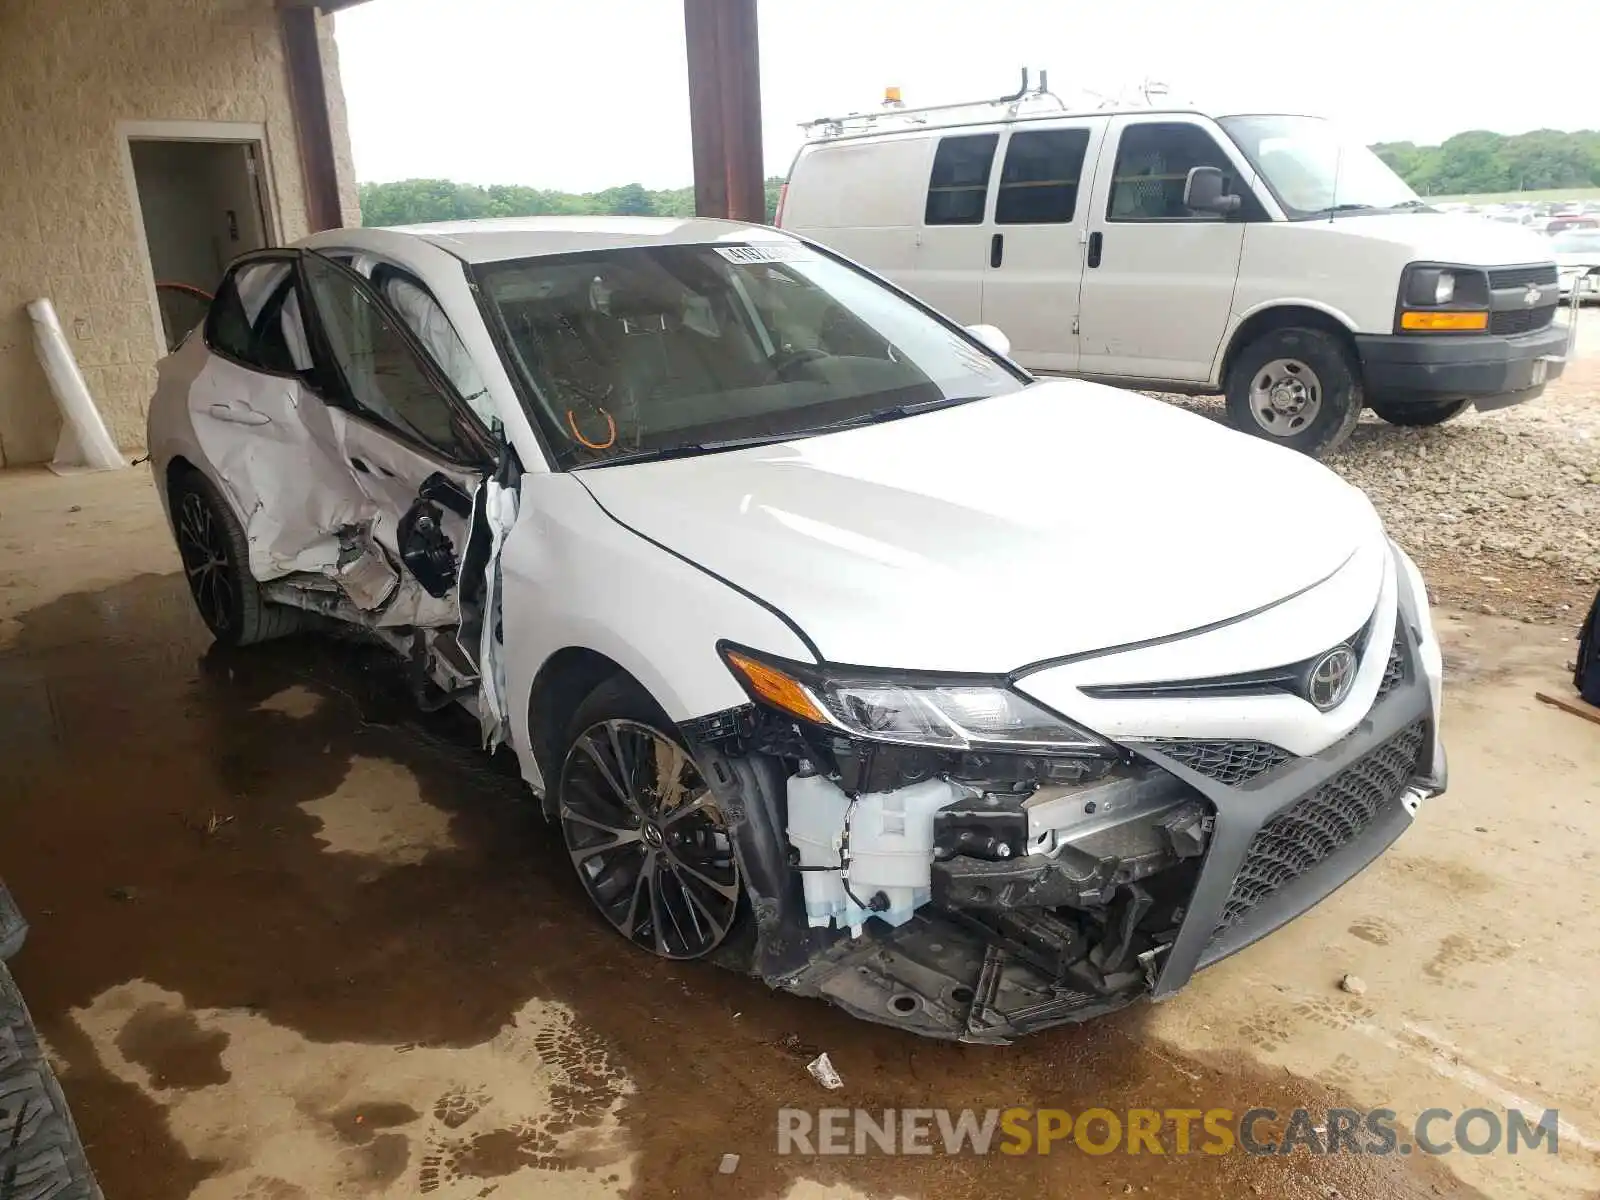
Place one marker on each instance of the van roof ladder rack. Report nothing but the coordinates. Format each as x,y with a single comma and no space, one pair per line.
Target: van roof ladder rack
894,115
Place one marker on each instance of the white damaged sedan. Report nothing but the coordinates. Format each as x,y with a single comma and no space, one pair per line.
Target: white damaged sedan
838,648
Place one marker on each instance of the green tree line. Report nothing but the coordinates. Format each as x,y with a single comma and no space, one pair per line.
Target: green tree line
411,201
1474,161
1480,161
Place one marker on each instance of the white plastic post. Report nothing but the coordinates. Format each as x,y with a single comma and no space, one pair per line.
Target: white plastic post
85,443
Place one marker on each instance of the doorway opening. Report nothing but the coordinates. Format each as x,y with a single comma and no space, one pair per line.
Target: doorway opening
202,207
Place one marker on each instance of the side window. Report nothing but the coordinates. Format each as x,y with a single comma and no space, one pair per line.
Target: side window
1153,164
1039,181
958,188
380,369
427,320
279,342
241,309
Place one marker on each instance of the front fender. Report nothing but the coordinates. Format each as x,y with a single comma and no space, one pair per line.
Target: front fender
574,577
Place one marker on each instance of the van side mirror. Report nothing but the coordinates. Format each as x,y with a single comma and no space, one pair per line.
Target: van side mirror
992,337
1203,192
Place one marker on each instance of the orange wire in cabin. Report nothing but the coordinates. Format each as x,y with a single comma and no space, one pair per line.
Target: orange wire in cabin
611,431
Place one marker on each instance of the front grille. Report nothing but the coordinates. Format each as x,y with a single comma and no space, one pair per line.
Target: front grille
1227,762
1331,817
1394,671
1510,277
1521,320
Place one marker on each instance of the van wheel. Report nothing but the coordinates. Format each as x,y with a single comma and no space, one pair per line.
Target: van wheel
1428,412
1296,387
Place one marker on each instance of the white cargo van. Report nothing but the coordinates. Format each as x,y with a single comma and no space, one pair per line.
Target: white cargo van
1263,256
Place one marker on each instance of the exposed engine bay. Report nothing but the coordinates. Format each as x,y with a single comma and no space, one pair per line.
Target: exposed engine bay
984,895
970,895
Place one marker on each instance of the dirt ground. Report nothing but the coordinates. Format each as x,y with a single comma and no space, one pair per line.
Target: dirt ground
291,941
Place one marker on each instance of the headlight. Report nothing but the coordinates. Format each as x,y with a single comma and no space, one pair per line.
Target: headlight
954,715
1443,298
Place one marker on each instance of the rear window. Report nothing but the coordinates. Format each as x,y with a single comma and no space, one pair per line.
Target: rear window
246,321
958,188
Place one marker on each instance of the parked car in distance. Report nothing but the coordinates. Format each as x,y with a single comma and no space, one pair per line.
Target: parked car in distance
1571,221
1268,257
1578,260
838,647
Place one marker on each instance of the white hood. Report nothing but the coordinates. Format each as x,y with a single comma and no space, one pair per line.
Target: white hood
1064,518
1444,237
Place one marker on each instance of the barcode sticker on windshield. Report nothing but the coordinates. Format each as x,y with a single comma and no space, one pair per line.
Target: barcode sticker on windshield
768,253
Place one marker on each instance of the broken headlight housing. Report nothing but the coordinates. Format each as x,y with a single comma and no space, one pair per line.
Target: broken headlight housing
953,713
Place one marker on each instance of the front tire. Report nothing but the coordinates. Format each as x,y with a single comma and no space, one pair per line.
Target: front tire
1297,387
216,562
651,848
41,1153
1429,412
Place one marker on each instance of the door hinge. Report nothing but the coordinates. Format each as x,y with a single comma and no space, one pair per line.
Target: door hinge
1074,326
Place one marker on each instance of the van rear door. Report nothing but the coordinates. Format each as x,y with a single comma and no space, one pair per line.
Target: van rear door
1036,241
863,197
1158,278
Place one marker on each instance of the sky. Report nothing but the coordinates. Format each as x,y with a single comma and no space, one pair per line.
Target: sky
582,96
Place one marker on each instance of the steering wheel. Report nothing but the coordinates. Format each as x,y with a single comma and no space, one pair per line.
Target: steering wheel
785,361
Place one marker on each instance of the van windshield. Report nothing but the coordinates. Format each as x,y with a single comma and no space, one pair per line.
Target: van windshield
1315,170
658,351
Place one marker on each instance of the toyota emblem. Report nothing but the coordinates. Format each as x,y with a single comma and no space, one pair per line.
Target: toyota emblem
1330,678
1531,296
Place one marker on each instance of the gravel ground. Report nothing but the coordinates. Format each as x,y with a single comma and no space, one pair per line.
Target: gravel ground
1502,509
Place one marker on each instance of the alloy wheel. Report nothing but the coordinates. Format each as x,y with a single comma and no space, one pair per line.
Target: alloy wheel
1285,396
207,561
651,847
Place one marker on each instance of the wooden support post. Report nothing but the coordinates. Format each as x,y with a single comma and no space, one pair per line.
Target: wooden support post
725,108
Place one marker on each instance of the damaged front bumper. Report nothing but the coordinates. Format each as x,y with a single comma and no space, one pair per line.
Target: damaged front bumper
1081,897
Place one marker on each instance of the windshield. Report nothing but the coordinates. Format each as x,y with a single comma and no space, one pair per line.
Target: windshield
674,349
1314,170
1587,242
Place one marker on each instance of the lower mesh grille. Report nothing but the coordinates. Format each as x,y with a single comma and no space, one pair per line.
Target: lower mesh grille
1521,320
1330,818
1226,762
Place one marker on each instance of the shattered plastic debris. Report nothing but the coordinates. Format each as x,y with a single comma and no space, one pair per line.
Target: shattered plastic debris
822,1071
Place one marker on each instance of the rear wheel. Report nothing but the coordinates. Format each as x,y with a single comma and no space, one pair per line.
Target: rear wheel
216,561
1428,412
650,845
1297,387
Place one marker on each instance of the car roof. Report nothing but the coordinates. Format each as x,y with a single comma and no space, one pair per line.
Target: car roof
502,238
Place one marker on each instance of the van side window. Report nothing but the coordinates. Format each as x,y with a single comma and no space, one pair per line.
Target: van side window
958,189
1153,164
1039,181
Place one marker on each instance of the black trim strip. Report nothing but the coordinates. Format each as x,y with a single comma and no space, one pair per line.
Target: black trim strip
1289,678
795,629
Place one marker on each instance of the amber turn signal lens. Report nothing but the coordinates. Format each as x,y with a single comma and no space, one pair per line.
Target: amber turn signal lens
1430,321
776,688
